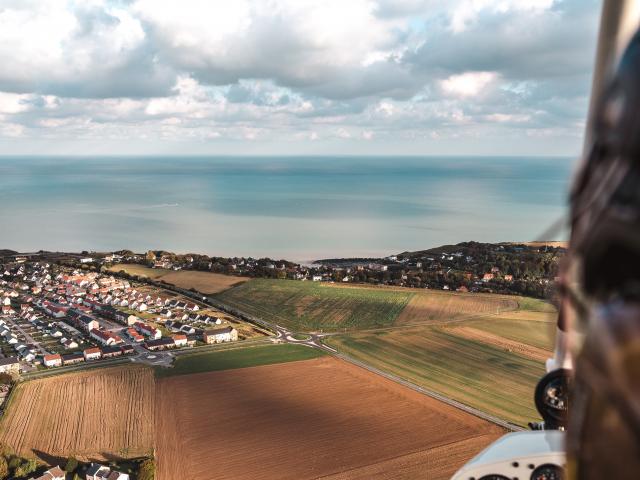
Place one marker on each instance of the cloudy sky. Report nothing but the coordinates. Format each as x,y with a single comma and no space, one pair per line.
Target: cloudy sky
295,76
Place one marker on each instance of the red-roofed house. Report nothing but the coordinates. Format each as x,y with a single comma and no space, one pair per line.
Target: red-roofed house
54,360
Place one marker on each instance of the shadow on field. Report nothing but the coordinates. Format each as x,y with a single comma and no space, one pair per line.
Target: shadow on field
50,459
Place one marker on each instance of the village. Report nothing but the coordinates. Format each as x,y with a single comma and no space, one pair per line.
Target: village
508,268
53,316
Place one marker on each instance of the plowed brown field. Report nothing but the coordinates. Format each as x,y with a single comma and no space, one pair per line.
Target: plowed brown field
89,414
305,420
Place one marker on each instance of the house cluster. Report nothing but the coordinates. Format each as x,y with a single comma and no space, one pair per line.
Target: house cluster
87,355
57,316
16,340
51,320
95,471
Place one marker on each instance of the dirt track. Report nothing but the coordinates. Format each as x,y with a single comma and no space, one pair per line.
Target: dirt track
303,420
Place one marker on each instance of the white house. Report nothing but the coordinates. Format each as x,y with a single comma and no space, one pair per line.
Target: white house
220,335
92,353
53,360
69,343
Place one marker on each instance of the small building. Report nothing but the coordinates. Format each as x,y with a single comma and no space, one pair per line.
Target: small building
72,358
193,307
109,352
69,343
88,323
487,277
180,340
135,336
53,360
220,335
508,278
105,337
92,353
10,365
127,349
148,331
160,344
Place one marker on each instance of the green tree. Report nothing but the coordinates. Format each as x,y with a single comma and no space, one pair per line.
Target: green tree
14,462
147,470
4,468
72,465
26,468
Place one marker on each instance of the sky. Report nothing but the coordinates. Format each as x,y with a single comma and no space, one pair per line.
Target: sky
295,77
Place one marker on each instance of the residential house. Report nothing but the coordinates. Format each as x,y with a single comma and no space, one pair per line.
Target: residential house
220,335
193,307
148,330
72,358
88,324
180,340
55,473
97,472
160,344
127,349
135,336
108,352
53,360
10,365
69,343
92,353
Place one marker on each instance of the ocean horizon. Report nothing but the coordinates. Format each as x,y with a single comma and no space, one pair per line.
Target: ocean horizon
300,208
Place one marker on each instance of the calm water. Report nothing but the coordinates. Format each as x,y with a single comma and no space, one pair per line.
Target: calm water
295,208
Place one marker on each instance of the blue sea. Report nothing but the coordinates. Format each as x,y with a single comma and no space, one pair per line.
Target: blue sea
299,208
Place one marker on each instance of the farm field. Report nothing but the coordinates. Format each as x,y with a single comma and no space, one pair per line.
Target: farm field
436,305
309,306
204,282
314,306
333,420
239,358
93,414
491,363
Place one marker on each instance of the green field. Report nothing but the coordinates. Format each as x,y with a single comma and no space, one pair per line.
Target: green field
239,358
480,372
314,306
487,351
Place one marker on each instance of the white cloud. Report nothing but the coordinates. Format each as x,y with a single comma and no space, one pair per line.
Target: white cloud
382,73
13,102
468,84
468,11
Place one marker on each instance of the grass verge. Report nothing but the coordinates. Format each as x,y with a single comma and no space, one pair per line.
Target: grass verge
239,358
